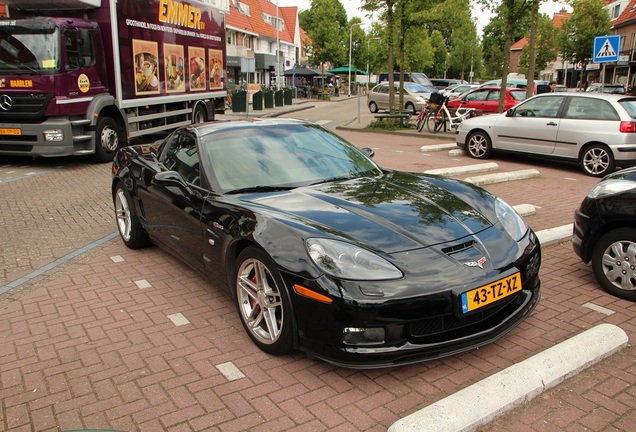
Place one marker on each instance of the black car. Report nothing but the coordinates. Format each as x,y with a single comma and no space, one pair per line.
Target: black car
605,232
324,251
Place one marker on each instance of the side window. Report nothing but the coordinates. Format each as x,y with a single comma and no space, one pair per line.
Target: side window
493,95
590,109
72,50
540,107
384,89
79,49
181,155
477,96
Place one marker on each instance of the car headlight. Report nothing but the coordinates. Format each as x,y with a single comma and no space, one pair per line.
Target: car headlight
514,224
347,261
611,187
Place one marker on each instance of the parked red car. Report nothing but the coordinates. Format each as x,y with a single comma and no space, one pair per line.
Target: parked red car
486,99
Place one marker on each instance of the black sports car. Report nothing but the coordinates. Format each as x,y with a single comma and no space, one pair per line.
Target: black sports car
324,251
605,232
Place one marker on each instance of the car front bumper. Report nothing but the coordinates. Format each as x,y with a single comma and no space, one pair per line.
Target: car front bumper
416,328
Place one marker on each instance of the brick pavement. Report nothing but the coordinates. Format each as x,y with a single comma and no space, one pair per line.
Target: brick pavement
91,344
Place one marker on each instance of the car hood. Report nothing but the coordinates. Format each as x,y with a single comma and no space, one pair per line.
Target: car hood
394,212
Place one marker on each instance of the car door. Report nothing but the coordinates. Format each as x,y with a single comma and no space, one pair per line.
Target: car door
476,99
382,97
173,213
531,127
586,120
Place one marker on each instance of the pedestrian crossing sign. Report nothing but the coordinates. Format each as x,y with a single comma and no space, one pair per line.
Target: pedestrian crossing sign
606,49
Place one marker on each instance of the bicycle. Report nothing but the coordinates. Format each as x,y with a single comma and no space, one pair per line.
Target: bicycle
436,117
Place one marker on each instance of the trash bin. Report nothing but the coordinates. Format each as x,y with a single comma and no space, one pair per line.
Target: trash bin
278,98
257,101
239,101
269,99
287,96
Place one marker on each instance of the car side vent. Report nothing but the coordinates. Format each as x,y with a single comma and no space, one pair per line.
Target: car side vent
457,248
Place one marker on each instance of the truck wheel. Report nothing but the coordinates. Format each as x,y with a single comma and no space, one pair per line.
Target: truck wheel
199,115
108,139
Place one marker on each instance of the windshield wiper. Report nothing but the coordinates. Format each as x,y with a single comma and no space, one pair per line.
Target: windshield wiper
334,179
260,189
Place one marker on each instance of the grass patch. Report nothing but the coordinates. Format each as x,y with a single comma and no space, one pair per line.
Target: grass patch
390,124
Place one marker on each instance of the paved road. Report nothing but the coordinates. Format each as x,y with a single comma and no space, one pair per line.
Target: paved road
133,340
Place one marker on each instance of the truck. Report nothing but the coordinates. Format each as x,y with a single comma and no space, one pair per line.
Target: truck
84,77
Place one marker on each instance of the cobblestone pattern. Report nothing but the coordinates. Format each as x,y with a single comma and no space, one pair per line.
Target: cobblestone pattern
90,349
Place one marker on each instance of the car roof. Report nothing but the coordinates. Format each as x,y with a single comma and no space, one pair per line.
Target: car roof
202,129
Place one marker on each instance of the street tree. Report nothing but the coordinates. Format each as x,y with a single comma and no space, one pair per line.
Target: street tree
387,9
326,24
511,12
546,46
589,19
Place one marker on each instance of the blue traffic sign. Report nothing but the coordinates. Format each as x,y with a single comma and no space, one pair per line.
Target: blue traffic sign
606,49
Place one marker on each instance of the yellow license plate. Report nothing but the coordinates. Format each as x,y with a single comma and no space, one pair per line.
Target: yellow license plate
488,294
5,131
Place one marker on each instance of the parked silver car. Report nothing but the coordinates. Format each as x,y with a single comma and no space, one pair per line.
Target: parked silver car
596,130
415,97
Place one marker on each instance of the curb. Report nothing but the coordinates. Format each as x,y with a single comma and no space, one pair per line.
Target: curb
516,384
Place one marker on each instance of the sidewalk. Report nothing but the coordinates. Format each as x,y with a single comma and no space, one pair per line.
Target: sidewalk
130,340
366,117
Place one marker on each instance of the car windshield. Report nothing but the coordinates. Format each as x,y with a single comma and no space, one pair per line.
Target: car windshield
281,156
415,88
518,95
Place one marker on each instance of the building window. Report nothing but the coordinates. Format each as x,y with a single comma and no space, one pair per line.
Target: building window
616,11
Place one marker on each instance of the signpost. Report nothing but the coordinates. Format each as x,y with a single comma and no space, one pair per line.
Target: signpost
606,49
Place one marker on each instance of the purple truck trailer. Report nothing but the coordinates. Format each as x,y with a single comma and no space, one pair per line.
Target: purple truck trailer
84,77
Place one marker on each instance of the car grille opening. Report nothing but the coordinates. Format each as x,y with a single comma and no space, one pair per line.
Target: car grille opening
458,248
450,327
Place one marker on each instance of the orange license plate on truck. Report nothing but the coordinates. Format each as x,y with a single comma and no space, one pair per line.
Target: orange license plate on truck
9,131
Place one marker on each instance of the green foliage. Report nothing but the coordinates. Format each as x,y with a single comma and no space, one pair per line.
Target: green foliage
494,33
326,24
576,38
547,50
390,124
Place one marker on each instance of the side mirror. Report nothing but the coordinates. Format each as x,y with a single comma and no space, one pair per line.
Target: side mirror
173,179
368,152
510,112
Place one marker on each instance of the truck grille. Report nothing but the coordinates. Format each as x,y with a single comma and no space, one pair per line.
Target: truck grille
23,107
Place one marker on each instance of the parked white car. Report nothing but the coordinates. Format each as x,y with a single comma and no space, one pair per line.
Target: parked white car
596,130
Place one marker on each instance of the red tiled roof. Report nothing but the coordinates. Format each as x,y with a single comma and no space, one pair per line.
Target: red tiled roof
628,15
559,18
237,20
519,44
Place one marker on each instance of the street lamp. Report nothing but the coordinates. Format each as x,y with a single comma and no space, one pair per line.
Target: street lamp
368,57
350,39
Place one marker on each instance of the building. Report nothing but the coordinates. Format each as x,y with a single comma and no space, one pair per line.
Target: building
263,40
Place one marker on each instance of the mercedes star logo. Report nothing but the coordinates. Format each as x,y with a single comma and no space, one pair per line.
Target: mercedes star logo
5,102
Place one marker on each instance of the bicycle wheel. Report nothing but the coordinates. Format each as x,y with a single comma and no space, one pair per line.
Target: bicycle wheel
435,121
421,121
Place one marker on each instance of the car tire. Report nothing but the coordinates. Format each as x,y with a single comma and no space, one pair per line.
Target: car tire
479,145
614,263
410,107
108,139
130,229
597,160
373,107
263,302
199,115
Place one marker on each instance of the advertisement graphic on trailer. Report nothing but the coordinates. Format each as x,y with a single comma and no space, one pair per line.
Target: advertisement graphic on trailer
170,47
